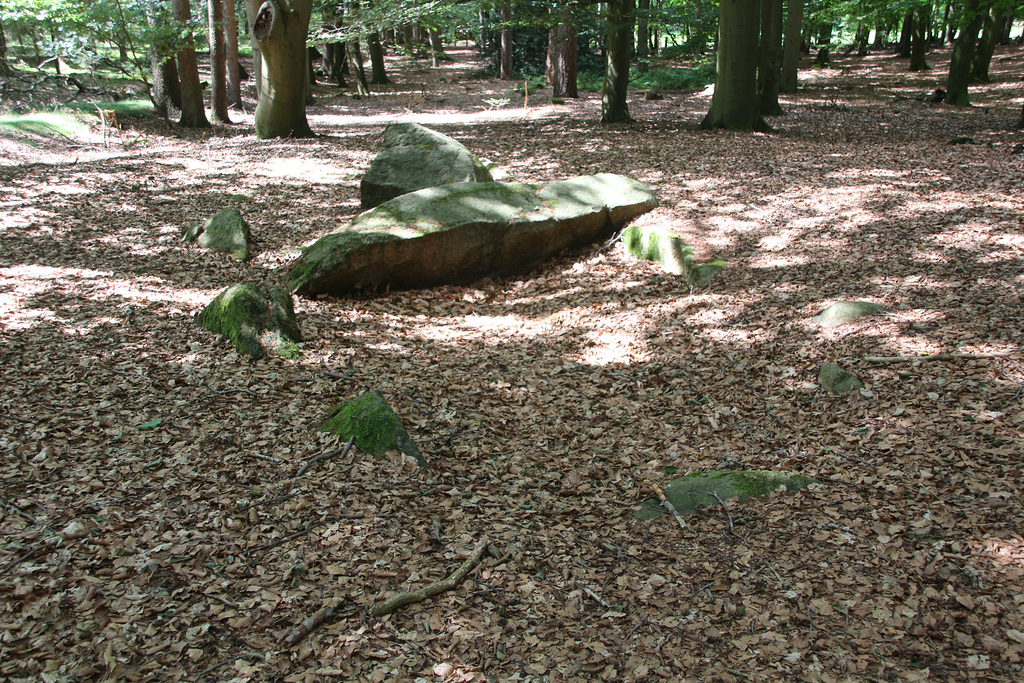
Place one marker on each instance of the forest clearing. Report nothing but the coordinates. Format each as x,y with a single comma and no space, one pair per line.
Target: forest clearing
152,524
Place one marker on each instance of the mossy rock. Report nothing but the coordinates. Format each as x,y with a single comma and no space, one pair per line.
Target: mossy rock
845,311
225,230
671,251
837,380
256,319
375,426
695,490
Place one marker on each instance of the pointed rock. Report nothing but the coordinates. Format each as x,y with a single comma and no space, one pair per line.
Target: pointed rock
375,426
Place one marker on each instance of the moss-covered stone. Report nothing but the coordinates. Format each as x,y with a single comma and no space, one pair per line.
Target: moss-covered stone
375,426
695,490
837,380
225,230
460,232
256,319
845,311
671,251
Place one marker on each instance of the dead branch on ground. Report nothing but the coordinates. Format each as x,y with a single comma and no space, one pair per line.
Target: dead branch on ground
941,357
667,504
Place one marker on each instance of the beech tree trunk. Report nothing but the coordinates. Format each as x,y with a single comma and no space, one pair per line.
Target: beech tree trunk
505,72
334,53
562,60
963,54
355,60
378,73
5,67
165,90
614,108
987,45
735,104
231,54
278,29
642,32
770,58
919,38
791,49
193,113
218,63
905,46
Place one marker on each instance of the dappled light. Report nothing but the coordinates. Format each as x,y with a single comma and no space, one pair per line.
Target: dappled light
548,402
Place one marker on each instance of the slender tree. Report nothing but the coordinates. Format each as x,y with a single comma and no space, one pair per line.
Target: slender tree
505,71
643,34
614,108
5,67
735,104
791,48
963,53
561,66
193,113
919,37
378,72
218,62
234,73
334,51
355,59
987,44
770,58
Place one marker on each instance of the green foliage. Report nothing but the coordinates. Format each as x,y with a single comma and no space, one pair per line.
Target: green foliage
697,76
45,124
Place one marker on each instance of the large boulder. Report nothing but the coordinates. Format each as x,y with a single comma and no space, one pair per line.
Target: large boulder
413,158
256,319
465,231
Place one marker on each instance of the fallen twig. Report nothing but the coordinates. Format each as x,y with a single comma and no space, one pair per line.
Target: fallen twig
31,553
940,356
14,508
324,456
294,636
451,581
667,504
264,457
727,513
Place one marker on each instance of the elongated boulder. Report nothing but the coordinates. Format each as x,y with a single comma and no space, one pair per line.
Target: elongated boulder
671,251
694,491
465,231
412,158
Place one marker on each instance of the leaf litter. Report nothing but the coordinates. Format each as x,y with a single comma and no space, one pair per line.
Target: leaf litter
152,528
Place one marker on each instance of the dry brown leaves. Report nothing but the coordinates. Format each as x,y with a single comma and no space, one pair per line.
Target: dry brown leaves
152,528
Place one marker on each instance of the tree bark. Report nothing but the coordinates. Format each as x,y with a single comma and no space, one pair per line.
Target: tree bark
355,59
791,49
231,55
218,62
919,38
505,72
279,29
1020,121
165,90
905,46
963,54
642,32
378,72
5,67
770,58
614,108
562,60
334,52
987,45
193,113
735,104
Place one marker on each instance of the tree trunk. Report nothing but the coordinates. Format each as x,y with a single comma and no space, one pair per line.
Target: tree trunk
218,63
436,48
1004,32
378,73
616,74
562,60
770,58
231,54
905,46
791,50
165,90
505,72
642,32
734,104
987,45
355,59
963,54
5,67
1020,122
193,113
919,38
279,29
334,52
862,39
947,29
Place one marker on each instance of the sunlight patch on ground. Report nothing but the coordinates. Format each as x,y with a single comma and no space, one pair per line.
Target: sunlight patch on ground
300,168
613,347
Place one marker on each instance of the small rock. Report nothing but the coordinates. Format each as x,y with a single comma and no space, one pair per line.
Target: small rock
837,380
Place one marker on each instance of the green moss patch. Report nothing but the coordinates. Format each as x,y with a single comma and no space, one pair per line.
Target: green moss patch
256,319
375,426
695,490
671,251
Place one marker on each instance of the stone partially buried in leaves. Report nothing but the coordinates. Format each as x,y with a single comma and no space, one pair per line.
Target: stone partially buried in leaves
413,157
225,230
671,251
845,311
697,490
256,319
375,426
837,380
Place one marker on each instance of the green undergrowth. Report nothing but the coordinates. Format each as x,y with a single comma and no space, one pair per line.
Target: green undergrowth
658,78
45,124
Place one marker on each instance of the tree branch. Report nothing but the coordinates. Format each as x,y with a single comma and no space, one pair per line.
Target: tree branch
453,580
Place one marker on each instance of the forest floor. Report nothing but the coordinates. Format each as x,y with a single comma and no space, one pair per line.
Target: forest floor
151,527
